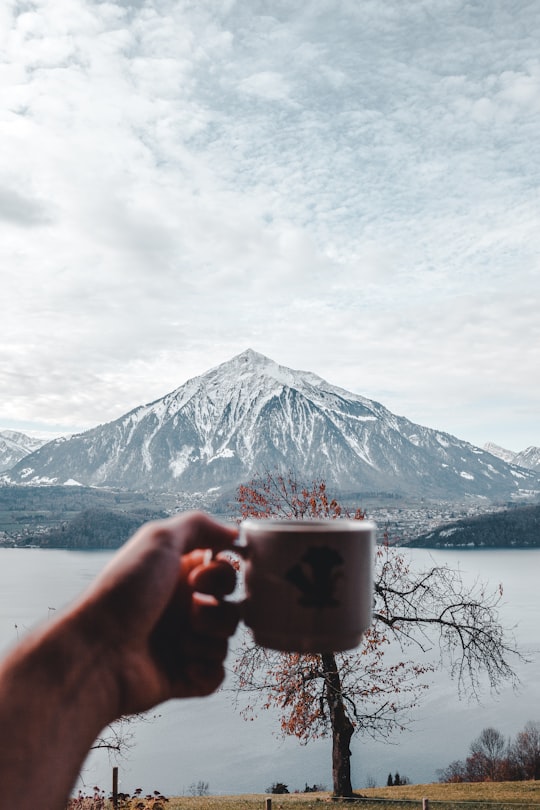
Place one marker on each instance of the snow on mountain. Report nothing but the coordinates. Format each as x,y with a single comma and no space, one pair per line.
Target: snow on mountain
14,446
528,458
249,415
500,452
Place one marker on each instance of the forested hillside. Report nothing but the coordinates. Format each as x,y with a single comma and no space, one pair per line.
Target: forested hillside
92,528
518,527
74,517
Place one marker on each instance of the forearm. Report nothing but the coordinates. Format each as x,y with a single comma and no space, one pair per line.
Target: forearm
139,636
54,701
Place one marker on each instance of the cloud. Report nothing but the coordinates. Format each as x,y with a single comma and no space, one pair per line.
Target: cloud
522,89
267,84
348,188
21,210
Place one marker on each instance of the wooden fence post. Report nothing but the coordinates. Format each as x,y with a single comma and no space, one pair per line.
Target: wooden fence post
268,804
115,788
425,804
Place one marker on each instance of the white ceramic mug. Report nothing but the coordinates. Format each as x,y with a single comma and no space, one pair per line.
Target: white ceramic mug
309,583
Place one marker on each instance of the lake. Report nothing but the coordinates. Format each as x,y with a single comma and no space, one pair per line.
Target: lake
206,739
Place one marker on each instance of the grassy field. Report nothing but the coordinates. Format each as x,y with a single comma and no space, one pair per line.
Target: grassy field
496,795
522,792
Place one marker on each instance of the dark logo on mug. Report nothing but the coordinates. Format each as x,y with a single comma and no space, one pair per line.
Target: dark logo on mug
316,576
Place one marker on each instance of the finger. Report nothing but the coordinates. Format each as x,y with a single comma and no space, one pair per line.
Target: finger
216,620
217,577
207,648
205,667
200,669
203,678
195,530
147,550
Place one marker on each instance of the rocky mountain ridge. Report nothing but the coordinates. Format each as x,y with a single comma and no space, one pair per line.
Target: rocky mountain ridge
14,446
249,415
528,458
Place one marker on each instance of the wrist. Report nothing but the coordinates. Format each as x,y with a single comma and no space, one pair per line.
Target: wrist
54,697
63,662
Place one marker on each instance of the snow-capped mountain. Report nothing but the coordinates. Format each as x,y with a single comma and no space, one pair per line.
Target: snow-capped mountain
528,458
500,452
14,446
249,415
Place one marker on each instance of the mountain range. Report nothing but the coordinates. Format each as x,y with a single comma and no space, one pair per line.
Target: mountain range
14,446
249,415
528,458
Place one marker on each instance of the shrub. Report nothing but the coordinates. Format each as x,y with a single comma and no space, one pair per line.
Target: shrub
277,787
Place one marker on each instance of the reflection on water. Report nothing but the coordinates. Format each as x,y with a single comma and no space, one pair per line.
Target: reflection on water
207,740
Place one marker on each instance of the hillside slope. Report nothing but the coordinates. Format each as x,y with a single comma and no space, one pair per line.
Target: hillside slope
510,528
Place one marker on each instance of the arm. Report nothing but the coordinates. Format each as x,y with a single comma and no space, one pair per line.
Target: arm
140,635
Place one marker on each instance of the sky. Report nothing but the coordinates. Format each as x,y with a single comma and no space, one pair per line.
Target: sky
349,187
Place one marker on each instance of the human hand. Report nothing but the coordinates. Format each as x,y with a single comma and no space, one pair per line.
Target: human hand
142,633
157,614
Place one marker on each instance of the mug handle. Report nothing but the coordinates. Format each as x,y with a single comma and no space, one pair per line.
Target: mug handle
236,550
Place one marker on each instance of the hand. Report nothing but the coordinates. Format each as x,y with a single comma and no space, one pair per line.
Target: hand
157,615
141,634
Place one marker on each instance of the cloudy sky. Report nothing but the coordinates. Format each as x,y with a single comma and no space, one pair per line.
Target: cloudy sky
350,187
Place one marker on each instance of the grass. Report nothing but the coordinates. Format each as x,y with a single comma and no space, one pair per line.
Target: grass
500,792
484,795
521,792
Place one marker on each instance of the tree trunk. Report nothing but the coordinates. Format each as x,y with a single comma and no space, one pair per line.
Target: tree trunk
342,728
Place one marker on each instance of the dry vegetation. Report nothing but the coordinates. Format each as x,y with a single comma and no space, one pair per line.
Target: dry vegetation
482,795
519,792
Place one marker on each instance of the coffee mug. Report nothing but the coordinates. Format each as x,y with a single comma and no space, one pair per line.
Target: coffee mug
308,583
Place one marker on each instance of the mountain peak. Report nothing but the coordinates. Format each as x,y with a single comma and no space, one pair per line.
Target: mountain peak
500,452
252,357
528,458
248,360
14,446
251,364
251,414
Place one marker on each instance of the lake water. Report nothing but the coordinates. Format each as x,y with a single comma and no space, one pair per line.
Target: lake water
207,739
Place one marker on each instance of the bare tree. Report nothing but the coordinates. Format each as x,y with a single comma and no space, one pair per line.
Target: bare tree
422,620
199,788
492,759
118,737
487,756
455,772
526,751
